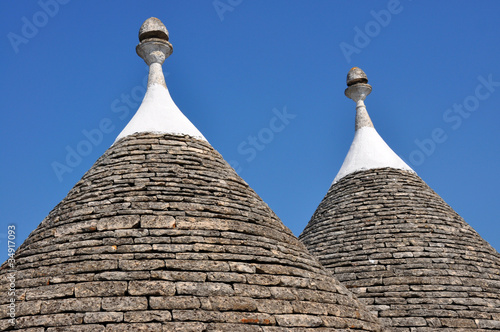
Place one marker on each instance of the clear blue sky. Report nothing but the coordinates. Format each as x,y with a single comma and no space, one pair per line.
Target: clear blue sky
434,67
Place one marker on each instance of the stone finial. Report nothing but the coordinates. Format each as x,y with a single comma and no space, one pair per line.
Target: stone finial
153,28
356,75
154,46
357,90
357,85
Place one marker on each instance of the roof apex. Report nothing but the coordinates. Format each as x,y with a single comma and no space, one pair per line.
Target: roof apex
368,150
158,113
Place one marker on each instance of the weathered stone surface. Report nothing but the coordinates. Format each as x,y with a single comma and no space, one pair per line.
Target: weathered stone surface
243,327
5,324
124,303
408,321
458,322
133,327
263,279
148,316
196,265
305,307
179,275
177,302
118,222
119,275
253,291
274,306
78,328
488,324
144,265
49,320
242,267
71,304
247,318
161,221
405,253
162,235
299,320
157,287
204,289
49,292
103,317
224,303
226,277
185,326
23,308
101,288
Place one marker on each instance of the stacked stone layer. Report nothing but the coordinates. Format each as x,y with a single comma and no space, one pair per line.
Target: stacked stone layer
162,235
406,254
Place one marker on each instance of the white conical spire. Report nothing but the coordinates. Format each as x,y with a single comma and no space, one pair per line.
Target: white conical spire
368,150
158,112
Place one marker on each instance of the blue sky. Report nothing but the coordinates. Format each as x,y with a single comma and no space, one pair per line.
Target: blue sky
70,70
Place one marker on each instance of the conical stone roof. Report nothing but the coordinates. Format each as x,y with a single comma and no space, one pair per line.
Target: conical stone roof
406,253
161,234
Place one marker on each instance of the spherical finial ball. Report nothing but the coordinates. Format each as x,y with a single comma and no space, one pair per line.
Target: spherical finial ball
153,28
356,75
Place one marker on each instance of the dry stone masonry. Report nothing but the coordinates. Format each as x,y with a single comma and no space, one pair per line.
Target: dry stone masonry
406,254
161,234
401,249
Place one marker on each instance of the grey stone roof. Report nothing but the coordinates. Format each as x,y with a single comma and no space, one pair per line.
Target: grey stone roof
405,253
161,234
